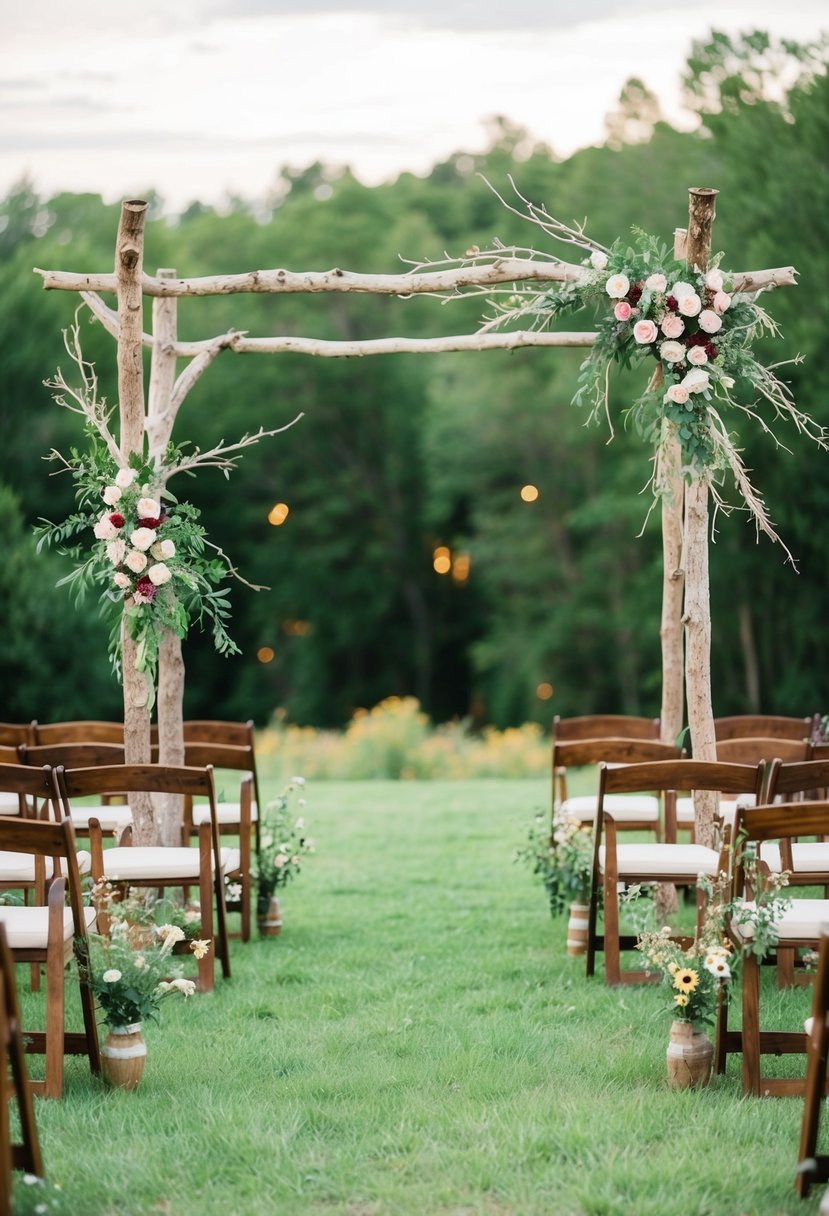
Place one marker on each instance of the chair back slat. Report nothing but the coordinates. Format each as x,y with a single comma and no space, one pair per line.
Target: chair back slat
782,821
584,752
73,755
219,755
797,778
752,749
605,726
128,778
672,775
741,726
14,733
80,731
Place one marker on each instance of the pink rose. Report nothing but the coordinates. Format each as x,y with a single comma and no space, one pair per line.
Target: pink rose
671,352
121,580
111,495
656,282
677,394
622,311
721,301
690,304
142,538
645,332
709,321
672,326
714,280
697,356
136,561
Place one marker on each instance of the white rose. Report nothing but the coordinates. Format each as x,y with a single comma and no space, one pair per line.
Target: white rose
690,304
116,551
163,549
696,380
656,282
617,286
598,260
125,477
142,538
681,289
121,580
136,561
105,529
671,352
721,301
697,356
709,321
159,574
112,976
111,495
148,508
714,280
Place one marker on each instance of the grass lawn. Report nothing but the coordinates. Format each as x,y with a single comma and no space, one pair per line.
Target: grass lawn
418,1043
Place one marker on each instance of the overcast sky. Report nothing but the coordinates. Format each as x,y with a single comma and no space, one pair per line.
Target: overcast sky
210,97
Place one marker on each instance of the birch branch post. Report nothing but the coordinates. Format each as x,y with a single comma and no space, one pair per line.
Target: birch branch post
129,259
697,616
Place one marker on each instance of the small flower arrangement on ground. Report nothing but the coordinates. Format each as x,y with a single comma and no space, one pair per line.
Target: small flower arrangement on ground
563,861
130,968
282,843
695,977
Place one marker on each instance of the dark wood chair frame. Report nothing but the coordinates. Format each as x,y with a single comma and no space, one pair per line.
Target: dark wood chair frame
585,753
23,1154
740,726
813,1166
159,778
753,826
665,777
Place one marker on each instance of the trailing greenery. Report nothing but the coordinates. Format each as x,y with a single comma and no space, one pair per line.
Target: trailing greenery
418,1041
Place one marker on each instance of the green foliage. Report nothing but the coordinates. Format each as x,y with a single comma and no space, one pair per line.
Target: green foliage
563,861
397,455
283,842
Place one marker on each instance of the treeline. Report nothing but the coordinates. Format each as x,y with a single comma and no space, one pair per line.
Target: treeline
398,456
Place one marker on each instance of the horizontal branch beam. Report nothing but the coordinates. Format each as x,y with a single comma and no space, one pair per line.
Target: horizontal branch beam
398,346
502,270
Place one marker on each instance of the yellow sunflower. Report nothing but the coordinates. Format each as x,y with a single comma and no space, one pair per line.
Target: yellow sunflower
681,999
686,979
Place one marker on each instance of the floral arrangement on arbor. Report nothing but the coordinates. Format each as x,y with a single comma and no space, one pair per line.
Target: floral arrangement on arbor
563,860
283,843
148,553
699,332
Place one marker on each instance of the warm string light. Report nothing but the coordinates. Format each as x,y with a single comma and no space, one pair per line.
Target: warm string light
278,514
529,493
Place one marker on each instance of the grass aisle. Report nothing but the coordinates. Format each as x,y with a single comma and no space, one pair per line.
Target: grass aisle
415,1043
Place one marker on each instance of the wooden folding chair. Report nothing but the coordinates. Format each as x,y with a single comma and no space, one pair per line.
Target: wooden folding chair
799,927
604,726
161,866
235,819
229,734
648,863
114,818
744,749
14,733
25,1153
50,933
812,1166
635,812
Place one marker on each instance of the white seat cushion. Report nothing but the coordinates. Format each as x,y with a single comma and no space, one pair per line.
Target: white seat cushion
226,812
20,867
111,818
145,862
803,920
806,858
27,928
231,860
728,809
9,803
658,860
624,808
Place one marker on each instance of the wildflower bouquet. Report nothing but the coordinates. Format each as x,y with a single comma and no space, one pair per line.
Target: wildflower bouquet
694,977
563,861
283,844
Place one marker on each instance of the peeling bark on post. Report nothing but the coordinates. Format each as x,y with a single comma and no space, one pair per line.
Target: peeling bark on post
697,618
129,256
170,702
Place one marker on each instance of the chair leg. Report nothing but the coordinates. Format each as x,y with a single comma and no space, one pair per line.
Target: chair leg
612,955
815,1085
785,966
206,964
751,1026
55,1015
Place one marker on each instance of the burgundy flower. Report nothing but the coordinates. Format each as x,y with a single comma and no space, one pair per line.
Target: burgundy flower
672,303
116,520
150,523
635,293
697,339
146,587
711,350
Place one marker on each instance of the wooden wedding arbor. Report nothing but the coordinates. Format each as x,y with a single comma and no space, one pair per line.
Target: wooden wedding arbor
147,428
